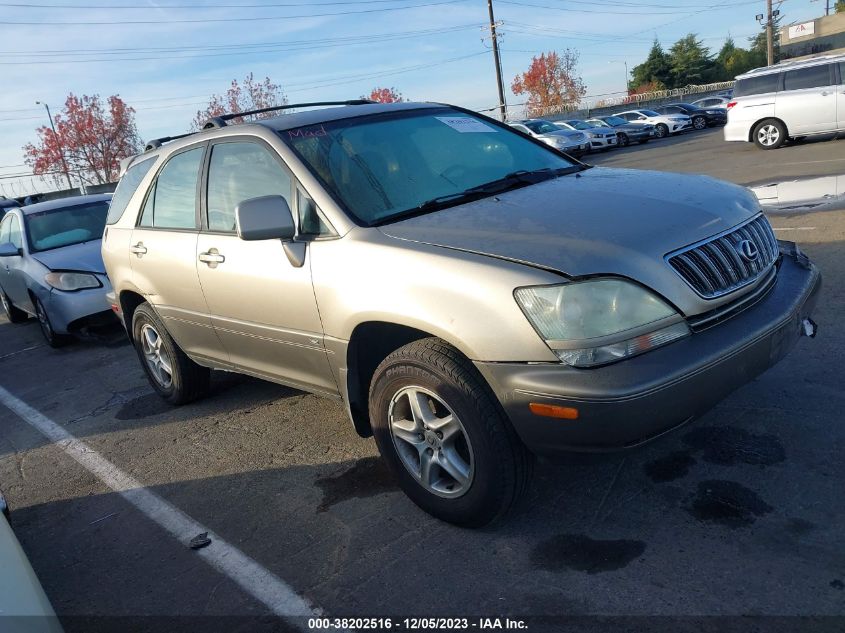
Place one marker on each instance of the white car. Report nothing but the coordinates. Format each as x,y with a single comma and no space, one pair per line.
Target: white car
601,138
664,124
712,102
569,141
788,100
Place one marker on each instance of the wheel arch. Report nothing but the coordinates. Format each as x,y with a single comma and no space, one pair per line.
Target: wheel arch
370,343
129,302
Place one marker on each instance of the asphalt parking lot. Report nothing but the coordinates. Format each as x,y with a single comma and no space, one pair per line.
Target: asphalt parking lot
739,514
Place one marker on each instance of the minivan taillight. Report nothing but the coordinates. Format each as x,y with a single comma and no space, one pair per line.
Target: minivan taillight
731,104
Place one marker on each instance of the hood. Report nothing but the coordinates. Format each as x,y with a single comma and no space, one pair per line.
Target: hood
84,257
602,221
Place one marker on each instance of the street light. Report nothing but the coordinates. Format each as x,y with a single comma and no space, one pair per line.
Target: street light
616,61
61,149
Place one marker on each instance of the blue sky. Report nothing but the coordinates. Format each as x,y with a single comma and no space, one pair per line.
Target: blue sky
165,58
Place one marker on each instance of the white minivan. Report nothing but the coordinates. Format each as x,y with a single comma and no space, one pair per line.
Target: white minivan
788,100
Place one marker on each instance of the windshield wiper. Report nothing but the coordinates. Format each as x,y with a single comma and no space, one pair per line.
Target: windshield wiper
508,182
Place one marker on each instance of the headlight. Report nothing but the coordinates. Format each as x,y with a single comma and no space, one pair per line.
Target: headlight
71,281
599,321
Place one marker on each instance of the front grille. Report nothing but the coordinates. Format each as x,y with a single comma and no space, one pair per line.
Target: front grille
717,266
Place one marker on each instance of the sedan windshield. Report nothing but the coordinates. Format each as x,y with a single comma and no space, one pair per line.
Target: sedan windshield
66,226
384,166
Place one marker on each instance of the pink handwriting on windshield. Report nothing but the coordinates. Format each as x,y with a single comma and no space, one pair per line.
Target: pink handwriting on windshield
308,132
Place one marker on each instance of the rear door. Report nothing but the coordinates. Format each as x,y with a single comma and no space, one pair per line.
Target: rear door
163,249
262,305
807,101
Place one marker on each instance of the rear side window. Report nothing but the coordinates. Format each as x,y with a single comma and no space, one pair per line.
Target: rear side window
813,77
172,203
126,188
238,172
756,85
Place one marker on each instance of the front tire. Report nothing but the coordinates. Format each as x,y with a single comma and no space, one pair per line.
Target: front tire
444,435
661,130
699,122
15,315
173,375
769,134
53,338
624,141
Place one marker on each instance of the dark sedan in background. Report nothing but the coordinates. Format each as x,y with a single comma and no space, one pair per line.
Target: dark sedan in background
701,117
626,131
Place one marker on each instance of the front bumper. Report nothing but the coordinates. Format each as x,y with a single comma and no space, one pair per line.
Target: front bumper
72,312
680,127
630,402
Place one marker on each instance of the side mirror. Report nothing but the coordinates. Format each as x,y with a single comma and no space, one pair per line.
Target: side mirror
264,218
9,250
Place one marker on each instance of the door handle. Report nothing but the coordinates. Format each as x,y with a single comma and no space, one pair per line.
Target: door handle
212,258
139,249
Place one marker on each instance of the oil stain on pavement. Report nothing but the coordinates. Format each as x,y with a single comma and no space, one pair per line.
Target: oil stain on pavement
581,553
672,466
728,445
368,477
727,503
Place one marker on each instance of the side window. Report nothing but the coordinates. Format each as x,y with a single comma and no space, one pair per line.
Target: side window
842,73
238,172
4,229
126,187
15,232
813,77
172,202
757,85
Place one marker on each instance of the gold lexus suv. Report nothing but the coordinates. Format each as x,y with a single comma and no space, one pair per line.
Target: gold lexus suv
472,295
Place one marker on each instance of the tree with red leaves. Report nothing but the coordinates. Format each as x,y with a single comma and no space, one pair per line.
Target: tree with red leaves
240,97
90,137
551,83
384,95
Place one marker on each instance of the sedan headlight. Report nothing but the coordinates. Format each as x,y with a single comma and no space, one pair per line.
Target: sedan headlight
600,321
69,281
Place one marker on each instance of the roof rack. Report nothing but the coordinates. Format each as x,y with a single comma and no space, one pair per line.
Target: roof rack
220,121
158,142
791,62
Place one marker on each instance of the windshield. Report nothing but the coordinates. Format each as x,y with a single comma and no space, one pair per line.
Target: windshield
581,125
542,127
384,165
66,226
650,113
615,120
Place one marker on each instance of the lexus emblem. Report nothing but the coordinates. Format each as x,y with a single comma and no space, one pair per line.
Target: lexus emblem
748,250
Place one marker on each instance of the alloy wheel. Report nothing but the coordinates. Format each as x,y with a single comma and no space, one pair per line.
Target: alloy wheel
431,442
699,123
156,357
43,320
6,308
768,135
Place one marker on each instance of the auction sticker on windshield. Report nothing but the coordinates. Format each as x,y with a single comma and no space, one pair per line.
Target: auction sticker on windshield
465,124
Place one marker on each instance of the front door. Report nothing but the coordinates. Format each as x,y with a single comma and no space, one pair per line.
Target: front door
262,305
163,255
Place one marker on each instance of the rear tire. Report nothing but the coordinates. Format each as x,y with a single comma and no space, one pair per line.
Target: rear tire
769,134
15,315
661,130
454,453
173,375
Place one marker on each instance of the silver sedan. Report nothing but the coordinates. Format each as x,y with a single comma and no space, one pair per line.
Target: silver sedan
51,267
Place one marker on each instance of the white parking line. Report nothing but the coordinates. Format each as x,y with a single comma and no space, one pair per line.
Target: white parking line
254,579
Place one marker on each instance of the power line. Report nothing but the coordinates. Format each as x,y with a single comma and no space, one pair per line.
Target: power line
228,19
573,10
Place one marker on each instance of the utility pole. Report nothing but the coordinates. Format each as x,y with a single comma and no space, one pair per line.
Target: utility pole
770,45
498,61
61,149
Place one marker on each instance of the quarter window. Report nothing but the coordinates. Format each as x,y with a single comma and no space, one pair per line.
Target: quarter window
757,85
238,172
813,77
126,187
172,203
